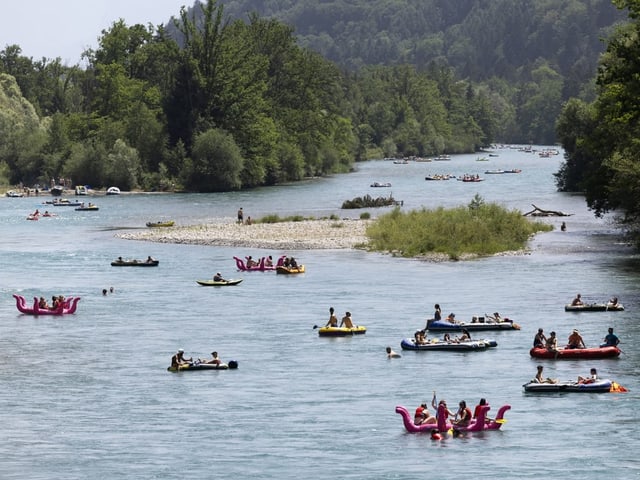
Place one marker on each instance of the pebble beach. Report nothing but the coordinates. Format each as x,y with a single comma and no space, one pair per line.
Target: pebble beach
304,235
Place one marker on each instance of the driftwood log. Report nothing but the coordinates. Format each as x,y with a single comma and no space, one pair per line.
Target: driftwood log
539,212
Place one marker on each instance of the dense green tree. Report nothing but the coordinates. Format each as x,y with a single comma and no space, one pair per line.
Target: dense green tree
217,162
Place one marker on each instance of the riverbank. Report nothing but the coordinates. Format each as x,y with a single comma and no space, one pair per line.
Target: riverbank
304,235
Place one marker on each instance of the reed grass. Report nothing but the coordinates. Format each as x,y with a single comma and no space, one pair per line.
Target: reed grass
479,228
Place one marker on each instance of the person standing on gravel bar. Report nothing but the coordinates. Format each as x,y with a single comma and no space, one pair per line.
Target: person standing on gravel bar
240,216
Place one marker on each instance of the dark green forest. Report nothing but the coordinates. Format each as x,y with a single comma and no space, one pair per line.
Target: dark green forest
529,56
242,94
601,138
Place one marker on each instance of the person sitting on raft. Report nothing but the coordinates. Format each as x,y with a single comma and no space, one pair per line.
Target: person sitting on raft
268,261
178,359
42,303
577,301
346,320
451,318
465,337
419,337
611,340
251,262
575,340
333,320
422,416
214,360
540,379
463,415
593,376
540,338
218,277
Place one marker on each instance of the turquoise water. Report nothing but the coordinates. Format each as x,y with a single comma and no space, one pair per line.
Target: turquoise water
88,395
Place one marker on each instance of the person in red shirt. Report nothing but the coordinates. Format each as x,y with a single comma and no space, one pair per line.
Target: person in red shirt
422,415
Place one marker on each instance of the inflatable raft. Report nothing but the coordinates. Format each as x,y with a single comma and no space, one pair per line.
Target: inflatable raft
289,270
599,386
594,307
575,353
135,263
191,367
478,326
436,344
261,267
219,283
478,424
341,331
68,307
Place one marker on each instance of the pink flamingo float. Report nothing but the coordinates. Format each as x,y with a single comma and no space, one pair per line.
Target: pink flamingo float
66,308
477,424
261,267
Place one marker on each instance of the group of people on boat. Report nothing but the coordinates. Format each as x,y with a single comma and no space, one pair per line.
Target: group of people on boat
574,340
251,263
461,418
56,301
577,301
290,262
540,378
420,337
178,359
347,321
451,318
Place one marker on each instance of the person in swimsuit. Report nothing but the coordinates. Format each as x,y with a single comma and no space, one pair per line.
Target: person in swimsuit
333,320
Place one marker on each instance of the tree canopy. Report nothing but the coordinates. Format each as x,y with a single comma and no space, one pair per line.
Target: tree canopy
601,138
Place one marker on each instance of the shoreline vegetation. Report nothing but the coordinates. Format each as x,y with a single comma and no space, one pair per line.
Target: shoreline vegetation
477,230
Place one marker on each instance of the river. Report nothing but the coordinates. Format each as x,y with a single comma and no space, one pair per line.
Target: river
89,396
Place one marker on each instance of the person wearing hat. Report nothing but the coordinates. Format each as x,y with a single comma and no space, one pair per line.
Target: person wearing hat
218,277
575,340
178,359
540,339
451,318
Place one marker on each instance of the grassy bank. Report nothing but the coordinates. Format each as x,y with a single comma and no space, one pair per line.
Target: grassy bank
477,229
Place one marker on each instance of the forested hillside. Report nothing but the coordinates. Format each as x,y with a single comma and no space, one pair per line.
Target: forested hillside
532,54
221,99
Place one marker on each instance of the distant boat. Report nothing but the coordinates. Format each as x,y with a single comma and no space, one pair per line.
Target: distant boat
87,208
14,194
113,191
167,223
81,190
57,190
378,184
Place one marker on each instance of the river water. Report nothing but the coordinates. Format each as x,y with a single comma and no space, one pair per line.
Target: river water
89,396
